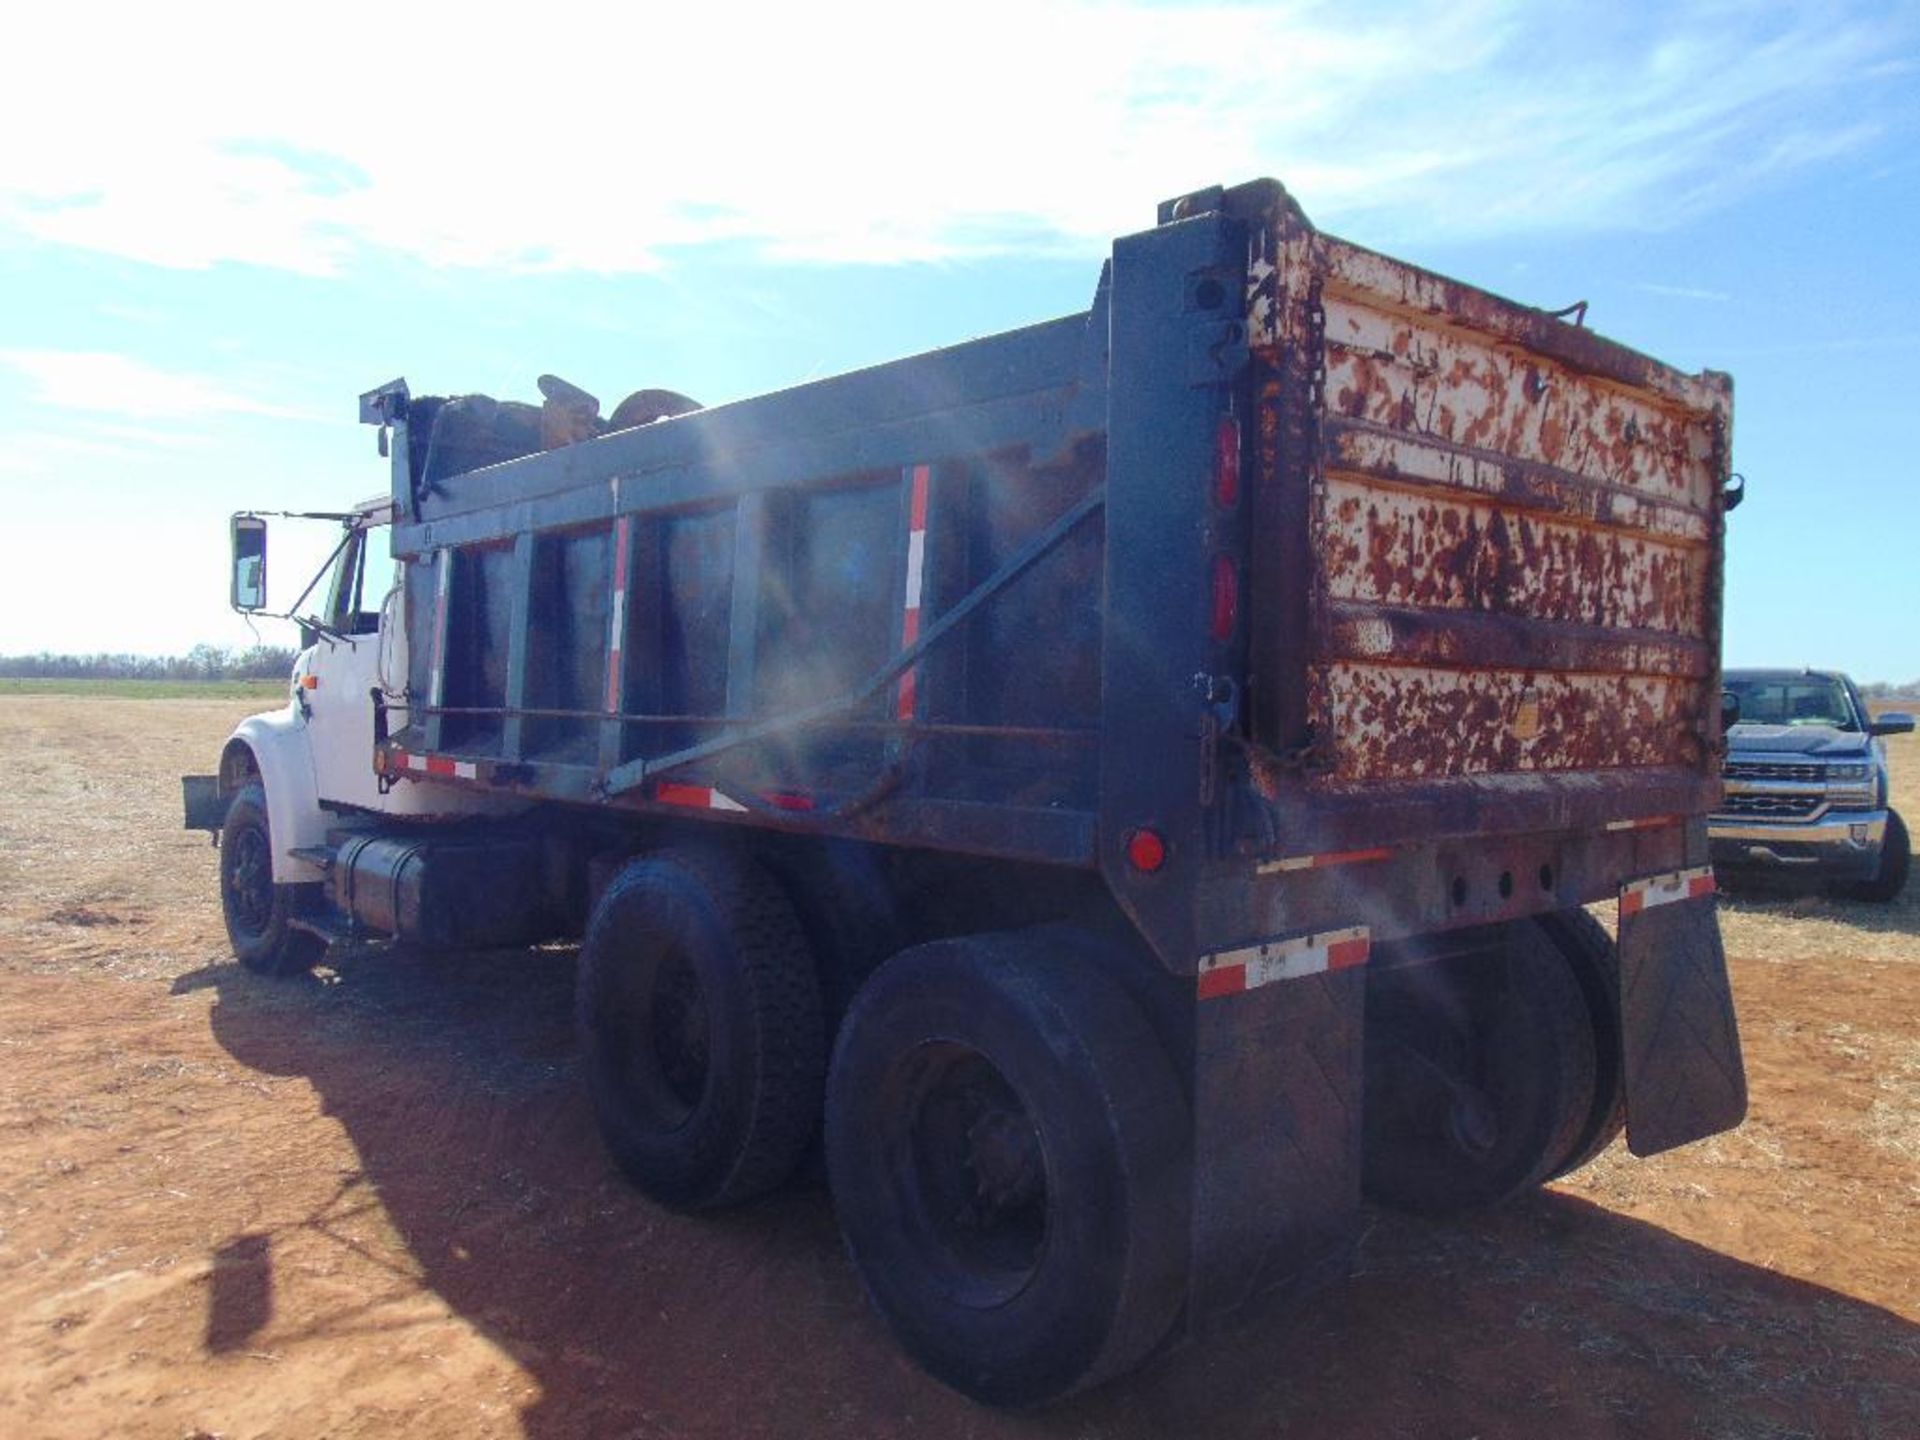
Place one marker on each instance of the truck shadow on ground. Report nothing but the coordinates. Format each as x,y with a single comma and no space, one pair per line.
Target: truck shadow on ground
455,1080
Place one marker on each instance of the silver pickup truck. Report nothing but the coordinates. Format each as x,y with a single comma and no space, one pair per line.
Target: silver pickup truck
1806,786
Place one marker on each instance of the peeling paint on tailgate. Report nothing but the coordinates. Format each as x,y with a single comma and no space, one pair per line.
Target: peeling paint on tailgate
1512,533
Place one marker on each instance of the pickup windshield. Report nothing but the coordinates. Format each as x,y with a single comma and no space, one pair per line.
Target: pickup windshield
1802,700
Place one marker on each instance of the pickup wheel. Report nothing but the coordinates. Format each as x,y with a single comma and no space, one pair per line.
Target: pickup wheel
1010,1156
1480,1076
699,1017
1594,961
259,913
1896,858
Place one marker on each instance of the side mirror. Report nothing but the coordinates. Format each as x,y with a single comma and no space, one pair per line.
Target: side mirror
1729,710
249,585
1894,722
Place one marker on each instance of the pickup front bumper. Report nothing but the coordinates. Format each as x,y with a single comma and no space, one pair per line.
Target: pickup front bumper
1841,845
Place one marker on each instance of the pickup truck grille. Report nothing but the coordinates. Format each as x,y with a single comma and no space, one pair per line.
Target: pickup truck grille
1775,770
1773,807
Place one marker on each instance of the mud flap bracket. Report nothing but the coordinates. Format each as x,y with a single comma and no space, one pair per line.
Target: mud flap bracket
1685,1079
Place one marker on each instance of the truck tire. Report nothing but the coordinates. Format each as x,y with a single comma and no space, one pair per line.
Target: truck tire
699,1017
1896,858
1480,1076
1010,1154
846,910
1594,960
259,913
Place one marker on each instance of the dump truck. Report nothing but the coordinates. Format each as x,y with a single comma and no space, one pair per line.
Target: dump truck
1127,790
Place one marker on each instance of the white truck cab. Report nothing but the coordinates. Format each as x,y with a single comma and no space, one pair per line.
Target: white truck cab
313,759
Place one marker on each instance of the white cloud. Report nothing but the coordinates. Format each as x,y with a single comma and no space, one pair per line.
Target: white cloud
845,130
114,384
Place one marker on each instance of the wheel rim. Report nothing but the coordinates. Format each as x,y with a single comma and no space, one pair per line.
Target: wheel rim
974,1176
1464,1075
656,1034
249,880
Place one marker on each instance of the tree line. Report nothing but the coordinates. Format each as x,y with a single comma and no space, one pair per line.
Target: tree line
273,662
202,662
1882,690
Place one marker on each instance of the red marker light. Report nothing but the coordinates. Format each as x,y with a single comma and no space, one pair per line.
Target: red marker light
1226,597
1146,851
1226,463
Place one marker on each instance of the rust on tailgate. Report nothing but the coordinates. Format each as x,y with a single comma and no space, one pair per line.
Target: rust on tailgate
1513,531
1415,377
1397,547
1421,722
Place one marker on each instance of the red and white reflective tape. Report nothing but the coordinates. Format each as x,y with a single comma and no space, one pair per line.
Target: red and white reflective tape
617,625
443,766
1319,862
694,797
1650,822
1232,972
919,476
1638,895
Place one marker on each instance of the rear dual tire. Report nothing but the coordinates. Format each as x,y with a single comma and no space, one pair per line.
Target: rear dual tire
1010,1156
1491,1073
700,1022
1594,961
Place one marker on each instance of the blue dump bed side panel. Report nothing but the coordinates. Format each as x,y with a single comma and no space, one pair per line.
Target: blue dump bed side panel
720,612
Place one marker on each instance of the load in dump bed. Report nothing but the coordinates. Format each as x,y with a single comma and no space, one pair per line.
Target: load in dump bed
1137,775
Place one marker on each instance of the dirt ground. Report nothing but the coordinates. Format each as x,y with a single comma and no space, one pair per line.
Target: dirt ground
374,1203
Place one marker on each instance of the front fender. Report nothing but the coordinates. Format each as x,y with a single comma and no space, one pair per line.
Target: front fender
283,757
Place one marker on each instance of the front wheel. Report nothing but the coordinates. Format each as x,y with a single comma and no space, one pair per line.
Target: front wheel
1896,857
260,914
1010,1157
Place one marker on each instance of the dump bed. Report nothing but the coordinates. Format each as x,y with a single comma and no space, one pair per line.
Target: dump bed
1282,550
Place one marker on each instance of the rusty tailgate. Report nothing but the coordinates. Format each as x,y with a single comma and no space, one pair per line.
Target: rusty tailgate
1505,613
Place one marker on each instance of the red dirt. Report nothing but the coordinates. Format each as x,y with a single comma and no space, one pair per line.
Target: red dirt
375,1202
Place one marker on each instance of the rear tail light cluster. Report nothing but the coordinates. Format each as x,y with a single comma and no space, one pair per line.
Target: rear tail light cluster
1226,597
1226,463
1146,850
1224,610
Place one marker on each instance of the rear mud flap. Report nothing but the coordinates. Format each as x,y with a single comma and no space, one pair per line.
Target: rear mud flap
1685,1079
1277,1094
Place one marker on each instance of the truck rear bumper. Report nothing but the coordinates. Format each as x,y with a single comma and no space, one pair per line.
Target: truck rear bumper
1842,846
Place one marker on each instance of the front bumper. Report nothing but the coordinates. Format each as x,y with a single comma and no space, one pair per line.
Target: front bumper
1841,845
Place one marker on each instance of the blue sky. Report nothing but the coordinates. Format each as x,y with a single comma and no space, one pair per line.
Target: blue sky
218,224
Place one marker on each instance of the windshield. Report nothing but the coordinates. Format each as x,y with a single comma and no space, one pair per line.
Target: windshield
1798,700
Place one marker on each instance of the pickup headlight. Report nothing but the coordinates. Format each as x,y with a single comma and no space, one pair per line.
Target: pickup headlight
1851,783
